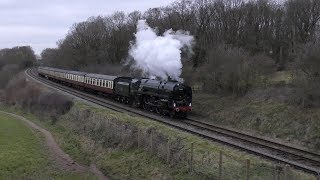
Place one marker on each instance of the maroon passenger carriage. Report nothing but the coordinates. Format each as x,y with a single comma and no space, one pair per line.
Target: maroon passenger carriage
88,81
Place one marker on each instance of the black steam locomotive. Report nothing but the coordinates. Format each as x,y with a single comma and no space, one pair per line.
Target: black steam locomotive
164,97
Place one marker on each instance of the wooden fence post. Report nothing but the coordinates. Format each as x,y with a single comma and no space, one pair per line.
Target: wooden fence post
138,138
248,169
286,172
151,141
220,165
277,171
168,151
191,158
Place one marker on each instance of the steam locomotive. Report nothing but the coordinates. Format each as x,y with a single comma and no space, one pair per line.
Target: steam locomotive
171,98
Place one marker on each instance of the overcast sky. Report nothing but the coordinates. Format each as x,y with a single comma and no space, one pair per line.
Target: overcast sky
41,23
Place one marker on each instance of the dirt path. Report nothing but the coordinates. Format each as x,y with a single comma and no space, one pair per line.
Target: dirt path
63,160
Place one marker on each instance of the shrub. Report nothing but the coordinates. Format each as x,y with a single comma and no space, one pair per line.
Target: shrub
307,76
232,70
6,72
32,98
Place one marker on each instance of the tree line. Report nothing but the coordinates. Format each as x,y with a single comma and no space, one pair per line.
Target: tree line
13,60
238,39
262,26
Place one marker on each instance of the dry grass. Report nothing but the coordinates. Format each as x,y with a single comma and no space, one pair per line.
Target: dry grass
266,116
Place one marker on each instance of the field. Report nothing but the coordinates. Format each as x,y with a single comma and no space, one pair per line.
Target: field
109,139
24,155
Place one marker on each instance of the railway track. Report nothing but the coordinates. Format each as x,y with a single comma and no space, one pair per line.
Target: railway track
295,157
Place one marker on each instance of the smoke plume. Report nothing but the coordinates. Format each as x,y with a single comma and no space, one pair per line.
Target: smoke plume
159,56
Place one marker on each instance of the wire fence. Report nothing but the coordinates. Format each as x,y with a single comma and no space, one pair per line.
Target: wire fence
189,157
214,164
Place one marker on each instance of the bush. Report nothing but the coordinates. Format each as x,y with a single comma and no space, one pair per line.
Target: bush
232,70
6,72
54,102
34,99
307,76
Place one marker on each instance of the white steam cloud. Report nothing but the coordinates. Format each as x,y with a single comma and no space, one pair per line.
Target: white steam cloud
159,56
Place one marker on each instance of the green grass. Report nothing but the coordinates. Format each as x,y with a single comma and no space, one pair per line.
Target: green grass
24,155
134,164
138,164
281,76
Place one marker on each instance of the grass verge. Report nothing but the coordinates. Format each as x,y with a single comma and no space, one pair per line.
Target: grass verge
120,145
24,155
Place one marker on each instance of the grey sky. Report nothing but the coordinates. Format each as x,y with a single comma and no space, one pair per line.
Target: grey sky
41,24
